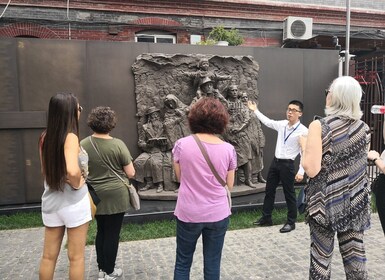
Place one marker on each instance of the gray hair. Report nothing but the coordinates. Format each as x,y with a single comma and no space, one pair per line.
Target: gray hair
345,97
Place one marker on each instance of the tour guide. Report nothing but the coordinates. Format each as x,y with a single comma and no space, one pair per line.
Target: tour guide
282,166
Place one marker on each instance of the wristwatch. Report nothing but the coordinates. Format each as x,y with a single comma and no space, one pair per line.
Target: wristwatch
374,160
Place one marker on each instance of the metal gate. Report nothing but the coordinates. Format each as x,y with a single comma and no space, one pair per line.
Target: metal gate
370,74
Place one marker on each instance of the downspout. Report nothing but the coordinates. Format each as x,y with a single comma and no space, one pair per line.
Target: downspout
347,55
68,18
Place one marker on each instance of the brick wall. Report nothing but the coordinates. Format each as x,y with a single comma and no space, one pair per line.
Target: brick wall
259,22
355,4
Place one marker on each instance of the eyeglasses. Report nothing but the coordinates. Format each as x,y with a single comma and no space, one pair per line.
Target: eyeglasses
80,109
292,110
328,91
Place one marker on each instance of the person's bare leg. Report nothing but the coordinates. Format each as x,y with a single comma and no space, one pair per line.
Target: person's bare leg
53,238
76,246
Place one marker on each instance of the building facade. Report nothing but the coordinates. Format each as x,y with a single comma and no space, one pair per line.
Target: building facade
272,24
261,23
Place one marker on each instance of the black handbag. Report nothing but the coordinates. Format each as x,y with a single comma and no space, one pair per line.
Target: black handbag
94,199
301,201
93,194
377,182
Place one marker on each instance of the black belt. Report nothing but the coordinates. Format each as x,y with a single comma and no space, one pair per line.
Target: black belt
283,160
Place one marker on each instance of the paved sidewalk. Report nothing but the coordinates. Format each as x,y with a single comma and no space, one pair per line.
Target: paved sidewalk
255,253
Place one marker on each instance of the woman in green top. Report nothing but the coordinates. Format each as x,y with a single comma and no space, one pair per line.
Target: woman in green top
105,150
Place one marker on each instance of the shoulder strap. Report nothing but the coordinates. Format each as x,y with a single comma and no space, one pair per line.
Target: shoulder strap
41,139
105,163
206,156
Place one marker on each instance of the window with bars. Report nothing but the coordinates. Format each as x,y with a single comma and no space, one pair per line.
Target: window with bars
155,38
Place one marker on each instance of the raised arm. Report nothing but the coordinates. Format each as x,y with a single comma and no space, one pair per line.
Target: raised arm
262,118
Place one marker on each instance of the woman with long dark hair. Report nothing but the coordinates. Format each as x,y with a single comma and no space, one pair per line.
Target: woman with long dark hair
65,203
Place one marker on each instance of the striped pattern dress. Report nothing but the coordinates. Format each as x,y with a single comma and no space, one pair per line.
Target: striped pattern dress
339,196
339,199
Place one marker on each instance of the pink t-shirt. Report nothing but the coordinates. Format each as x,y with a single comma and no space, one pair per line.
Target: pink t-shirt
201,198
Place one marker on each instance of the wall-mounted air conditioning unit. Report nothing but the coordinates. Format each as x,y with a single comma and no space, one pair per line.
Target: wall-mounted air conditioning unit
297,28
195,39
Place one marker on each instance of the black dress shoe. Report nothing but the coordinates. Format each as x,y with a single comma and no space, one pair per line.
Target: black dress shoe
287,228
263,222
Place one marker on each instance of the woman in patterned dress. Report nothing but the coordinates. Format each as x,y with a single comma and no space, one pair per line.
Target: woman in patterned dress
338,194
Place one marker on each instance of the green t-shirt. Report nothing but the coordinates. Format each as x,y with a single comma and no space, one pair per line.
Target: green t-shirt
112,192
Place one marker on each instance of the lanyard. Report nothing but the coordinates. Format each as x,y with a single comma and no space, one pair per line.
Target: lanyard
284,135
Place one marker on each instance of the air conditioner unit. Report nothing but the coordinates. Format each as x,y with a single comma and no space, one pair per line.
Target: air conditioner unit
195,39
297,28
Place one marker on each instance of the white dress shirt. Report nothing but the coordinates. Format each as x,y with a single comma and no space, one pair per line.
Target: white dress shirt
287,146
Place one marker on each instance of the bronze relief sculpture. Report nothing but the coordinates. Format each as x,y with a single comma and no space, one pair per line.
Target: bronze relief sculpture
166,86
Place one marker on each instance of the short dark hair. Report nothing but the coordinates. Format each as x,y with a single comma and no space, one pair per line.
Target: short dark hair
102,119
208,115
298,103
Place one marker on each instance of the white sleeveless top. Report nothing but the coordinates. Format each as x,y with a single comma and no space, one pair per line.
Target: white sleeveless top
52,200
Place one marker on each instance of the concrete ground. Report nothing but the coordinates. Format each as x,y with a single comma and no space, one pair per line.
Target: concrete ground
255,253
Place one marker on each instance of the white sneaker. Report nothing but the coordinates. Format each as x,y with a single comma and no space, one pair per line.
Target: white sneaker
108,277
101,274
114,275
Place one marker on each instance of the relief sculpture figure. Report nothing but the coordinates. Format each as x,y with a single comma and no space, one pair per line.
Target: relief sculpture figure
257,140
237,133
203,73
175,119
155,162
208,90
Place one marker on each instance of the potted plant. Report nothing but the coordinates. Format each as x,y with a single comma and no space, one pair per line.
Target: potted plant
221,35
208,42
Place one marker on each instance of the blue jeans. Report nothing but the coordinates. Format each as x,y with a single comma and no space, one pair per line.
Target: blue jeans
213,237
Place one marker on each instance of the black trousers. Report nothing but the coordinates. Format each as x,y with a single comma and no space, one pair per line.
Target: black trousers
107,240
380,200
281,171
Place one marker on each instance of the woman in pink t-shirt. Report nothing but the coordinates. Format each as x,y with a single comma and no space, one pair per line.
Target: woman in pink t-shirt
202,207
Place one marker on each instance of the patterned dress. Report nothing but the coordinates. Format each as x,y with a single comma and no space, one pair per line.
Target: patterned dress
339,198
